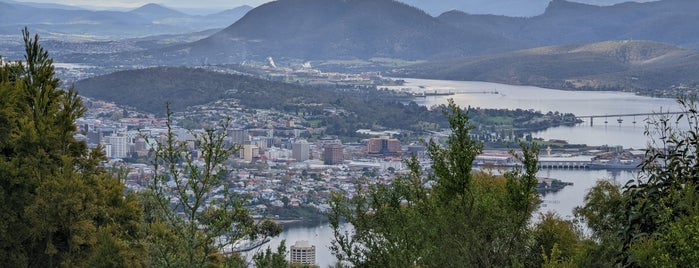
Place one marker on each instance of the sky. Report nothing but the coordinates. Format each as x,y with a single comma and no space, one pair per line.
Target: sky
499,7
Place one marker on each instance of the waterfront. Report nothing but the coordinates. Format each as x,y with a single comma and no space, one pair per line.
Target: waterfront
580,103
561,202
626,134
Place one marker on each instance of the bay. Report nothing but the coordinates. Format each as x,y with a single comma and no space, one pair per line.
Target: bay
581,103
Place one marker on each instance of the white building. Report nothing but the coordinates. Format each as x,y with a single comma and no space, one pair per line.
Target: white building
300,150
302,253
120,146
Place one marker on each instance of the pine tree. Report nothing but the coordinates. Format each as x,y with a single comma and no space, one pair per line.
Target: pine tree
194,218
450,217
58,204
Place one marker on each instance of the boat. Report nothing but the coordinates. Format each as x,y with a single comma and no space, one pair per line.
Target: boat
615,163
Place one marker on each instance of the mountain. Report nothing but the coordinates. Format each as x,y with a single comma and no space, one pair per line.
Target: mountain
516,8
44,5
155,12
149,89
67,22
610,65
565,22
228,14
339,29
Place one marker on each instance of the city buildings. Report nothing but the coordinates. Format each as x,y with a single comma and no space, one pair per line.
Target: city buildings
302,252
300,150
383,146
250,152
332,154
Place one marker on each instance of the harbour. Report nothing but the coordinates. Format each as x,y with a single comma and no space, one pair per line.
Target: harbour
613,150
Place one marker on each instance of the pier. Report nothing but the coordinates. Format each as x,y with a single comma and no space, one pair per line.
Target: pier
452,92
620,116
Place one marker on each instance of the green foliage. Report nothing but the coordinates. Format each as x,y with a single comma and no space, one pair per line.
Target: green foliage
650,222
453,217
555,238
188,224
59,207
269,259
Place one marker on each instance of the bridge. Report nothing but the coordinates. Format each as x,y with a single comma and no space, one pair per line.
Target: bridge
619,116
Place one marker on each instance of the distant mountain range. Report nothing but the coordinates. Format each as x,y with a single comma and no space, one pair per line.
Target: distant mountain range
637,66
456,45
517,8
150,19
339,29
363,29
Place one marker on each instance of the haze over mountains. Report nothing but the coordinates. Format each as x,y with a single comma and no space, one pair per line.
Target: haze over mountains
150,19
362,29
455,44
639,66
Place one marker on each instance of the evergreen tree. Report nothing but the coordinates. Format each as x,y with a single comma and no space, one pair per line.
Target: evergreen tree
59,207
193,215
453,217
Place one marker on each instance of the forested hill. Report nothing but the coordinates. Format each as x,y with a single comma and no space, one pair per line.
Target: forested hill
336,29
613,65
149,89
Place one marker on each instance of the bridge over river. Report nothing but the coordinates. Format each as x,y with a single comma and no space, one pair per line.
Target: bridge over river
621,116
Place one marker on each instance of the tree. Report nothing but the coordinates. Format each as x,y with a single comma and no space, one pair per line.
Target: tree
59,207
194,216
651,221
451,217
269,259
554,238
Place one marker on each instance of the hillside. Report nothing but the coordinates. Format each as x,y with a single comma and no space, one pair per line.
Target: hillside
612,65
68,22
149,89
322,30
566,22
156,12
339,29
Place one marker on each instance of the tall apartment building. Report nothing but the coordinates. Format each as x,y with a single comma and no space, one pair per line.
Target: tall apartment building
300,150
239,136
302,252
383,146
120,146
249,152
332,154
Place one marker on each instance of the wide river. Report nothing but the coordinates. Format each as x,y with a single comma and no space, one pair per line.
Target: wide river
626,134
580,103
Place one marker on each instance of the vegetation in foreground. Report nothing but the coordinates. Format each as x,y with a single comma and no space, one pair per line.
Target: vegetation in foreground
60,208
453,217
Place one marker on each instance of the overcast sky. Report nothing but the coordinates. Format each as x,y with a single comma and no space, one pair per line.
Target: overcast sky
500,7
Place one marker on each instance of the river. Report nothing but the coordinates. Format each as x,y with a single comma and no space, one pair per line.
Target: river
479,94
580,103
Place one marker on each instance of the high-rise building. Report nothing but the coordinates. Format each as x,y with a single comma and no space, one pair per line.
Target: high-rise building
120,146
250,151
300,150
302,252
332,154
383,146
240,136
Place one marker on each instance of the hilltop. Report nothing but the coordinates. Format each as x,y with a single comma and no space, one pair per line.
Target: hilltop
71,22
321,30
611,65
566,22
335,29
